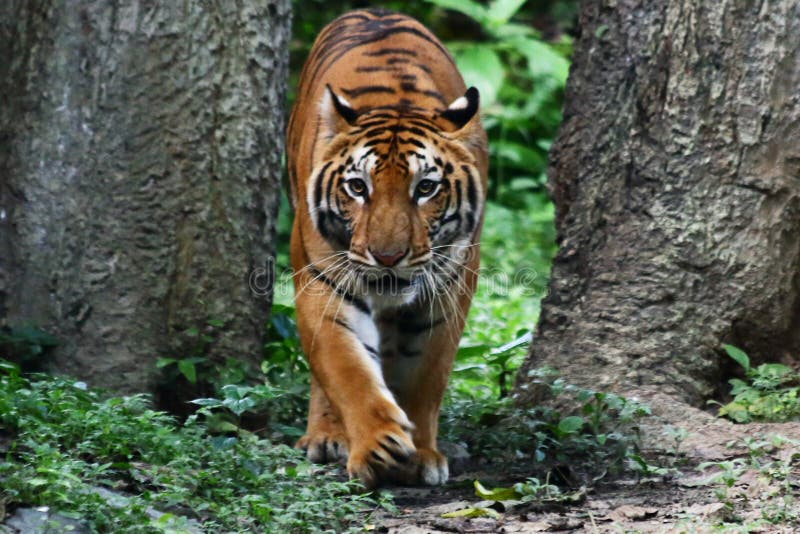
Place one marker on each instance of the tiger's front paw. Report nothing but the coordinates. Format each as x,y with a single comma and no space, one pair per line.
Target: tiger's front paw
382,446
427,467
324,446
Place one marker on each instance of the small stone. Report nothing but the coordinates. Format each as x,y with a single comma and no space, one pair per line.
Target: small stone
628,512
715,511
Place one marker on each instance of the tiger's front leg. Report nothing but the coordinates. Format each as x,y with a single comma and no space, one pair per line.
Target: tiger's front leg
419,348
340,339
325,439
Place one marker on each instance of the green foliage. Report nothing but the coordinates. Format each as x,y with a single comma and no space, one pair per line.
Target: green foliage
771,462
597,430
531,490
24,344
64,444
521,80
769,393
194,373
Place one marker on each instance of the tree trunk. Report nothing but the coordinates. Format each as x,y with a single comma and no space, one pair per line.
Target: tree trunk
140,159
676,180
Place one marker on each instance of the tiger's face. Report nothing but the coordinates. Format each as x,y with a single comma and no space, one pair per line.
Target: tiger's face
398,194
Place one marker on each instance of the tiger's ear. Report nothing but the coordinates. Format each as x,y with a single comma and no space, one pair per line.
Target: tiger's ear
463,108
336,114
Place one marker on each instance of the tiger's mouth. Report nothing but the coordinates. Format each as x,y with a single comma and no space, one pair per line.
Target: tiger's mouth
388,278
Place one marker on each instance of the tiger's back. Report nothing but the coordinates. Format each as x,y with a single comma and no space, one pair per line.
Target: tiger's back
387,162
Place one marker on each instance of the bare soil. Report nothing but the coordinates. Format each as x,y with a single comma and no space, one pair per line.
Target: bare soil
763,495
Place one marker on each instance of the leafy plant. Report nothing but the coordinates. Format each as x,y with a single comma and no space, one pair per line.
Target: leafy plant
598,434
24,344
521,79
66,446
763,479
769,393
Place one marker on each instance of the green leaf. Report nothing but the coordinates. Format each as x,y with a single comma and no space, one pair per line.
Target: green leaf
738,356
163,362
495,494
214,403
472,512
187,369
544,61
501,11
472,351
570,424
481,66
470,8
518,154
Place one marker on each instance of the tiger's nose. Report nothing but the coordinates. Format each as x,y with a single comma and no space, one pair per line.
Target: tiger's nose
387,258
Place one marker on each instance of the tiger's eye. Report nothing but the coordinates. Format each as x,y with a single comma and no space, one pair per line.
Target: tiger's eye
357,186
426,187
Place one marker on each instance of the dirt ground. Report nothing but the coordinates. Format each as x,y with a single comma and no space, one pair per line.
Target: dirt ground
752,486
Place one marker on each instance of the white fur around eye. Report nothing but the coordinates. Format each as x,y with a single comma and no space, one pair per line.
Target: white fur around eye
422,199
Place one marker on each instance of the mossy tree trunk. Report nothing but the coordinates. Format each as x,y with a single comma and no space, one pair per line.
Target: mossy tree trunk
140,159
676,180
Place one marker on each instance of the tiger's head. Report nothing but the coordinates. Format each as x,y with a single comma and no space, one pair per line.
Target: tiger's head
398,189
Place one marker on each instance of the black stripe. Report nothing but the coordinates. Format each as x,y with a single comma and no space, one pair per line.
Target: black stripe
434,94
470,222
376,69
375,132
376,142
341,323
414,142
366,125
329,188
340,38
371,350
411,87
318,184
358,91
351,299
395,60
386,51
472,192
427,126
454,217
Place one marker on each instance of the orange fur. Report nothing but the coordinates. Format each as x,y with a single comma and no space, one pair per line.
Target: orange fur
382,173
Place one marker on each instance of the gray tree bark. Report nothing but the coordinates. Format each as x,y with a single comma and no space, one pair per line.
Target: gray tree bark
676,180
140,150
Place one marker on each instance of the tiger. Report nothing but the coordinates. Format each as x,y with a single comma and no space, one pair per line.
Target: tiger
387,162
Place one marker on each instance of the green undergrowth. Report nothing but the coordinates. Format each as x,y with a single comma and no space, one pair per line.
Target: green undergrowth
62,441
769,392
